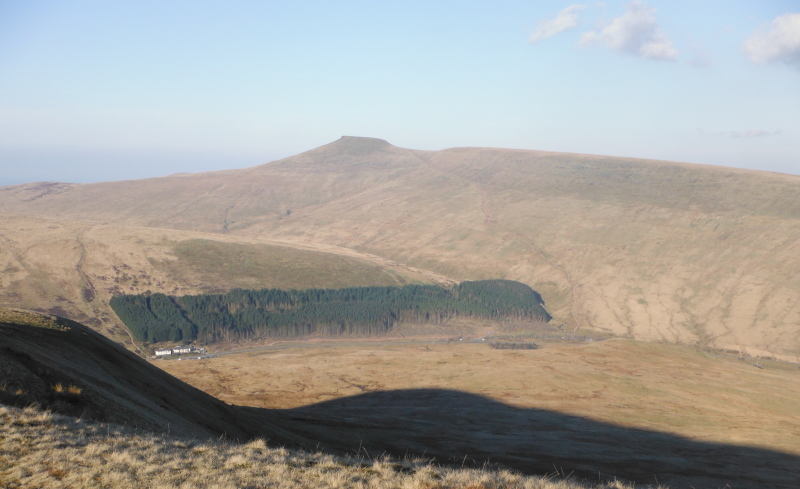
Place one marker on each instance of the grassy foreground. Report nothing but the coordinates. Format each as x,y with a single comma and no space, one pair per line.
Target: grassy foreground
43,450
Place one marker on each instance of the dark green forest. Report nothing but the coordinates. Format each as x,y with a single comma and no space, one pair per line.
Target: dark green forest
250,314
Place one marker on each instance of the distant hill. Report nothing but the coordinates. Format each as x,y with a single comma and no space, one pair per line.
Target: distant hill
653,250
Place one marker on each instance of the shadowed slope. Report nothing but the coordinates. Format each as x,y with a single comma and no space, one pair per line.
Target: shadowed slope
65,366
108,383
457,428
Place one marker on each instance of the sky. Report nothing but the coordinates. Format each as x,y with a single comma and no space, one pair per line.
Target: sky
109,90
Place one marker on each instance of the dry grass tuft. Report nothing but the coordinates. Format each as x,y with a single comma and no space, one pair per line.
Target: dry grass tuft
10,395
66,390
35,319
44,450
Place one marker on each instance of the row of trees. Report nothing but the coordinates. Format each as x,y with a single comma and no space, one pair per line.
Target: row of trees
357,310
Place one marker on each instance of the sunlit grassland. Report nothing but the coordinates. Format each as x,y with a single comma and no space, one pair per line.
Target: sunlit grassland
671,389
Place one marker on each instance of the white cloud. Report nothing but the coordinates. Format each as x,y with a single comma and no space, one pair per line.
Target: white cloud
780,42
636,32
566,19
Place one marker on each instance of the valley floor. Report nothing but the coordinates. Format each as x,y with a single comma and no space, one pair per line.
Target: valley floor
638,411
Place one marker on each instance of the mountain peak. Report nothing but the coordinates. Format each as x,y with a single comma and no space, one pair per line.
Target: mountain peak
360,145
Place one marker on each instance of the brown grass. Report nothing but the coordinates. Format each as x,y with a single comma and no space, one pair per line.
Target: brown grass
42,450
229,265
49,264
670,389
66,390
28,318
651,250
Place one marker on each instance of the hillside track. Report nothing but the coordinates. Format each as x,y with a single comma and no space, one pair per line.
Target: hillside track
89,292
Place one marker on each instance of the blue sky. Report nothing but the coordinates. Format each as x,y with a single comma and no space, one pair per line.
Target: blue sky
104,90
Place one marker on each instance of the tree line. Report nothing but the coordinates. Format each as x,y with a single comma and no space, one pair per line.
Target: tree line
251,314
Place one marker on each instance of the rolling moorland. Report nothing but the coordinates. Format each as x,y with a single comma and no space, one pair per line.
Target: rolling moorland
175,434
138,427
649,250
690,267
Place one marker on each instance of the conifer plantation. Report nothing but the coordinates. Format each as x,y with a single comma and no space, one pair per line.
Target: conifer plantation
252,314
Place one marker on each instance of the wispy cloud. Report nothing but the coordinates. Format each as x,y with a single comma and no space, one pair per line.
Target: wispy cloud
740,134
566,19
780,41
636,32
700,57
750,133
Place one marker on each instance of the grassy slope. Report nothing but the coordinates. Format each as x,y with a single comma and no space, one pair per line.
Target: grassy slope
100,380
74,370
47,451
72,268
61,365
653,250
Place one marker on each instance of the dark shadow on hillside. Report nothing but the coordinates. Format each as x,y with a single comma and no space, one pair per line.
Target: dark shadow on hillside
102,381
457,427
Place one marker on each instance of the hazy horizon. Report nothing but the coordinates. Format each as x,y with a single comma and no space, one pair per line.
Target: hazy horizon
97,92
187,164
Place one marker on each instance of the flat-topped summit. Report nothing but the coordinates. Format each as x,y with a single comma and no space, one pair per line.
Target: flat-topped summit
359,145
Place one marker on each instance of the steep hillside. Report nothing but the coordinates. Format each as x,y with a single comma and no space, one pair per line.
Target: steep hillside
73,268
47,451
652,250
64,366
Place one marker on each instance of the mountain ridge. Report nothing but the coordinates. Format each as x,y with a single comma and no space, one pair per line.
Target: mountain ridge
647,249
